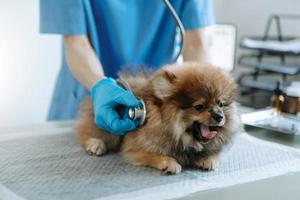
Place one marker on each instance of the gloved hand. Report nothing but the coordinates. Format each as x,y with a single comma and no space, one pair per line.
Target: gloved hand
106,96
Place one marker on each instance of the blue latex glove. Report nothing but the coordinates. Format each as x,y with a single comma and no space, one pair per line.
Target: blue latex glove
106,96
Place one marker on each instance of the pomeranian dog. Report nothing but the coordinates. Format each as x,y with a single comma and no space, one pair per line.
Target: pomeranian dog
191,116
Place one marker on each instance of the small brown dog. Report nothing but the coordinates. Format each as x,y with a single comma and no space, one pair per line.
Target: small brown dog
191,116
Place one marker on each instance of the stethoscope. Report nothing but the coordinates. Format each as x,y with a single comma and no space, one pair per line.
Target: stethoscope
139,113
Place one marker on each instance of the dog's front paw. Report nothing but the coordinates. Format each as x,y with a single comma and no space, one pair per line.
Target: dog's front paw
95,147
208,163
170,166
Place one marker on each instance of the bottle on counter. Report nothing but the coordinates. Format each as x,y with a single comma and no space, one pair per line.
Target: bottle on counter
278,100
293,98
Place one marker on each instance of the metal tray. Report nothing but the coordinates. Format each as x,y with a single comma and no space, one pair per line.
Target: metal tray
267,119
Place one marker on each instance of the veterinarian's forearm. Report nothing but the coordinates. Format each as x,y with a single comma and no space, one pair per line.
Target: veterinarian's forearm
82,60
194,49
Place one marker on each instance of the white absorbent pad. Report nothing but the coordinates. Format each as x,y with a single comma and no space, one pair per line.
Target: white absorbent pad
53,166
290,46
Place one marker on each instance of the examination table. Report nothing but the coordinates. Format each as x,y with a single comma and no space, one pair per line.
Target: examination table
44,162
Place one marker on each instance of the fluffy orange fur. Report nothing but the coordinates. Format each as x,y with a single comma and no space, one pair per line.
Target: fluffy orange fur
168,141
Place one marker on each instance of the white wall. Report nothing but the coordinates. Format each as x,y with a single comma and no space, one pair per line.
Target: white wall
29,63
250,16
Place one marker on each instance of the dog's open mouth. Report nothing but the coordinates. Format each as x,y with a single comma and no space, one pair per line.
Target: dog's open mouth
203,132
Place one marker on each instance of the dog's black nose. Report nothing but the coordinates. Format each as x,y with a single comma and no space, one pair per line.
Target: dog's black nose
217,116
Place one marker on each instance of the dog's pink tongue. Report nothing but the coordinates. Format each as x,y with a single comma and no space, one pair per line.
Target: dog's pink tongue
206,133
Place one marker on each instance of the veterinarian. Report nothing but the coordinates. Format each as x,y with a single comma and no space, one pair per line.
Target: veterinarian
102,36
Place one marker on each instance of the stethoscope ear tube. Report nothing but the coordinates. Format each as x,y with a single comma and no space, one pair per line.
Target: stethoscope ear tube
179,25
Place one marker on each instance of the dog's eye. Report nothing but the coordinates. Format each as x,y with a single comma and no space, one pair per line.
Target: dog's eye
199,107
221,103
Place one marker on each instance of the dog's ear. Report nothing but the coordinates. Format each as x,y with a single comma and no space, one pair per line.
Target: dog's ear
163,84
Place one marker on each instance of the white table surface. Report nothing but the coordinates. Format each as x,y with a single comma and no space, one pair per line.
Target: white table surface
285,187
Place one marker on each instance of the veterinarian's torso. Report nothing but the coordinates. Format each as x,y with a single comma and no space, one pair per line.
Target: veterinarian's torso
133,33
125,34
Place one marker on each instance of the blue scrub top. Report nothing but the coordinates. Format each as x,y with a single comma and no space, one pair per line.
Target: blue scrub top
126,34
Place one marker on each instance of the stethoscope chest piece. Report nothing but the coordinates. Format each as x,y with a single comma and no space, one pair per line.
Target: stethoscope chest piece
135,113
138,113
